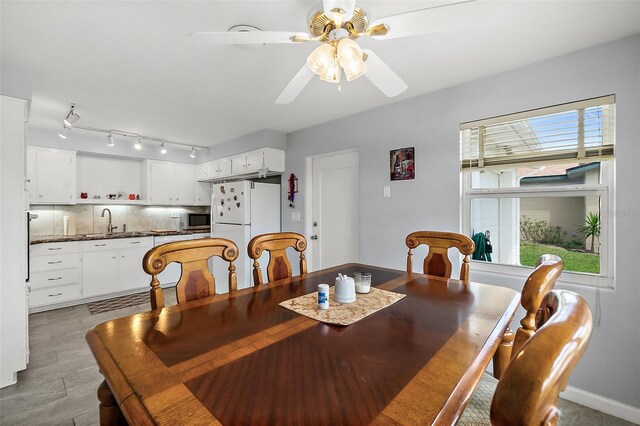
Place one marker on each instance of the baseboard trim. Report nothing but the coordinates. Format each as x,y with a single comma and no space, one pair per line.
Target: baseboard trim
600,403
588,399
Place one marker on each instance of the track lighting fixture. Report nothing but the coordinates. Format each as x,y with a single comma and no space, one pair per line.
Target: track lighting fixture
64,134
71,117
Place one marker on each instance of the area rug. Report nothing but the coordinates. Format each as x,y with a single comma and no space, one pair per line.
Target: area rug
118,303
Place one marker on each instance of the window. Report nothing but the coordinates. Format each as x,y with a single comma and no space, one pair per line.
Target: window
539,182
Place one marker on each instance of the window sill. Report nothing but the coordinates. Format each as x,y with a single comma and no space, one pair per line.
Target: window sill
569,278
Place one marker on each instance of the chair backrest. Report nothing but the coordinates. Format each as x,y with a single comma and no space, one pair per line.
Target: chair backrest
196,280
437,261
527,393
539,283
276,244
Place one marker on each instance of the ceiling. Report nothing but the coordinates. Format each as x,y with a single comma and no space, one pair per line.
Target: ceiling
129,65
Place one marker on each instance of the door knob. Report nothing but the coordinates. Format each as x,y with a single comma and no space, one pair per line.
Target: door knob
314,237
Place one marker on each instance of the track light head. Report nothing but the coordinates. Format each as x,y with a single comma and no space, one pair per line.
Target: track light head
163,150
64,134
193,152
71,117
110,142
138,144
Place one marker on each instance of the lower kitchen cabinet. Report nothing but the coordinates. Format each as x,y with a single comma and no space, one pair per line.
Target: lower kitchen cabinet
56,273
111,266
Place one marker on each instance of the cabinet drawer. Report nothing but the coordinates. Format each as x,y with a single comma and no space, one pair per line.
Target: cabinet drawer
58,294
55,248
54,262
119,243
45,279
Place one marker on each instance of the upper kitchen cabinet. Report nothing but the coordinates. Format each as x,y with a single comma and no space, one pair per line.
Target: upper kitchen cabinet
169,183
272,158
53,175
242,164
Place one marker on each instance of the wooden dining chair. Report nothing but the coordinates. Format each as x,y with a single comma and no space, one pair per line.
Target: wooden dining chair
528,392
276,244
539,283
196,280
437,260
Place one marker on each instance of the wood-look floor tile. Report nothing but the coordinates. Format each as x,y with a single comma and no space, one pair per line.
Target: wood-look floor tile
84,380
27,395
38,319
90,418
54,412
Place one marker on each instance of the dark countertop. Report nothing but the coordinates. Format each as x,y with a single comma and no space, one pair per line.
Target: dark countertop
42,239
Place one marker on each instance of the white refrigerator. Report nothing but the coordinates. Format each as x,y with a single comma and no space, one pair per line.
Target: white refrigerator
240,211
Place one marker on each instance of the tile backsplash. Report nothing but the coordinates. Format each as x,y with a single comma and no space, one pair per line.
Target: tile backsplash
50,219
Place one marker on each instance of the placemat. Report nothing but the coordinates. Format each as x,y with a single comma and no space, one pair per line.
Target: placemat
342,313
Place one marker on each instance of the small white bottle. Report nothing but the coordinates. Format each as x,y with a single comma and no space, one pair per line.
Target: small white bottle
323,296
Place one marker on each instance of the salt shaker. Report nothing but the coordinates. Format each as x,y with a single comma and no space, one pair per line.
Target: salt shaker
323,296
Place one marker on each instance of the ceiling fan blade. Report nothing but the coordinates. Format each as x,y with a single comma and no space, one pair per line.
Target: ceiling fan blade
383,76
247,37
456,16
346,5
296,85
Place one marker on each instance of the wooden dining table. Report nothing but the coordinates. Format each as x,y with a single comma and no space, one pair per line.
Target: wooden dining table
241,359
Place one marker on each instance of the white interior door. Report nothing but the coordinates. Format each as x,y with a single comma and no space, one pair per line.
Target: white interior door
335,209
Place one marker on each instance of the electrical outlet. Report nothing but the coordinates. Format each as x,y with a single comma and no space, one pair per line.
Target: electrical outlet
295,216
174,215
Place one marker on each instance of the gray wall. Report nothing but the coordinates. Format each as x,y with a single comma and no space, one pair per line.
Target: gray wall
611,365
15,81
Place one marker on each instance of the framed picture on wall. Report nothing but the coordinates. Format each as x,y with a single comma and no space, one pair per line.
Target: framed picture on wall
402,164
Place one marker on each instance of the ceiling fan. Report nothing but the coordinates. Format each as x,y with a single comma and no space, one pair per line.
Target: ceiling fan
337,25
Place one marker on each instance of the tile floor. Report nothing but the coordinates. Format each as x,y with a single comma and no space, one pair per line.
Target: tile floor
59,386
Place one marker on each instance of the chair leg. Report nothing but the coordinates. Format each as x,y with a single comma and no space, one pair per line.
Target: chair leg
110,413
503,354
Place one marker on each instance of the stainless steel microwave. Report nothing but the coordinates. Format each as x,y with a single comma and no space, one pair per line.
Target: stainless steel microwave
195,221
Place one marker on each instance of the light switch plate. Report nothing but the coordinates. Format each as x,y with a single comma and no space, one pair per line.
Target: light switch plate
295,216
174,215
386,191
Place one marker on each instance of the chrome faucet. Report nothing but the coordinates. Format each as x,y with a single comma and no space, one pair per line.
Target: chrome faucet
110,226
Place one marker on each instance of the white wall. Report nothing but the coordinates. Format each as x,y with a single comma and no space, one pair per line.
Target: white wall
611,365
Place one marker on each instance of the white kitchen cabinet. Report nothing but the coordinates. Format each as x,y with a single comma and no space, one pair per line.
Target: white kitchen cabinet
56,273
170,183
239,164
54,179
184,189
254,160
219,168
202,171
111,266
99,176
132,276
203,194
100,273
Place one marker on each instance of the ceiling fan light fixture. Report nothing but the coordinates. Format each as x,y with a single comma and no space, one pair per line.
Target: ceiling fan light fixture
350,57
321,59
333,72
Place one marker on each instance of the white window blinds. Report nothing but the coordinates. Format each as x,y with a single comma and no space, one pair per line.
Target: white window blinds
582,131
